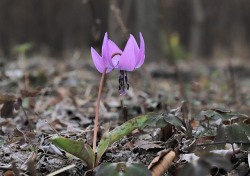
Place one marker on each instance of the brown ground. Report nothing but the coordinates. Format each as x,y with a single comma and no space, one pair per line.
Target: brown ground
66,106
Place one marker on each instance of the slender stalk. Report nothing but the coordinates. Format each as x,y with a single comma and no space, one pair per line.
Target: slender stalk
97,110
232,82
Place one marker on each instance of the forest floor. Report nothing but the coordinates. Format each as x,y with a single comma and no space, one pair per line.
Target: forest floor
42,98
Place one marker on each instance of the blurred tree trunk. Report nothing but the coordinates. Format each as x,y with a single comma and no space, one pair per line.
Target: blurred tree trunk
229,36
134,17
99,13
205,27
4,28
118,20
238,33
148,22
197,28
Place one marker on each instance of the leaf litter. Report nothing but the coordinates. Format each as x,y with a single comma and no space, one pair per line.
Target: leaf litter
59,99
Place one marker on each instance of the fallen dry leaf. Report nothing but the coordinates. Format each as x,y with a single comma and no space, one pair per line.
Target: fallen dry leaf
30,92
8,109
7,98
146,145
161,163
9,173
22,137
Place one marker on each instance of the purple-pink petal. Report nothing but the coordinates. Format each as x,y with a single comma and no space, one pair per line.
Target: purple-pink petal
112,56
141,55
105,52
115,52
113,48
129,56
98,60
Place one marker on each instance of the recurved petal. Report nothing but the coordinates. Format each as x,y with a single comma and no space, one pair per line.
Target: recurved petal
113,48
98,60
135,45
141,54
115,53
129,55
105,51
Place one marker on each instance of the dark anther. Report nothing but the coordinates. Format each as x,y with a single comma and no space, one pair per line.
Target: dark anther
126,78
123,81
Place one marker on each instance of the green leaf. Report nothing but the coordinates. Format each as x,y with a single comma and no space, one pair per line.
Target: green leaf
218,161
22,48
245,128
210,114
103,145
121,169
226,115
140,122
77,148
218,114
204,164
1,141
235,133
173,120
194,170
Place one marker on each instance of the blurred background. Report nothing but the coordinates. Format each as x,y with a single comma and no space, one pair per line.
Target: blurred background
171,28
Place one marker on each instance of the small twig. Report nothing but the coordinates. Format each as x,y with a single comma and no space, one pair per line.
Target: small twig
96,28
47,123
223,142
15,169
232,81
117,14
6,167
25,114
233,149
208,123
31,168
185,112
171,55
97,110
62,170
124,111
147,143
52,127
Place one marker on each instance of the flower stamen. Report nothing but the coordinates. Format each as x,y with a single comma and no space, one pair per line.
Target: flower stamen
123,82
126,80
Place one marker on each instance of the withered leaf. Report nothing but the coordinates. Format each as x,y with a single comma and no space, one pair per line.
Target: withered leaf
29,137
8,101
8,109
17,133
18,103
204,164
161,163
146,145
235,133
30,93
7,98
22,137
22,141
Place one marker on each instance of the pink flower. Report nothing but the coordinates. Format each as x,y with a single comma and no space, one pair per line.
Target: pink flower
113,57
